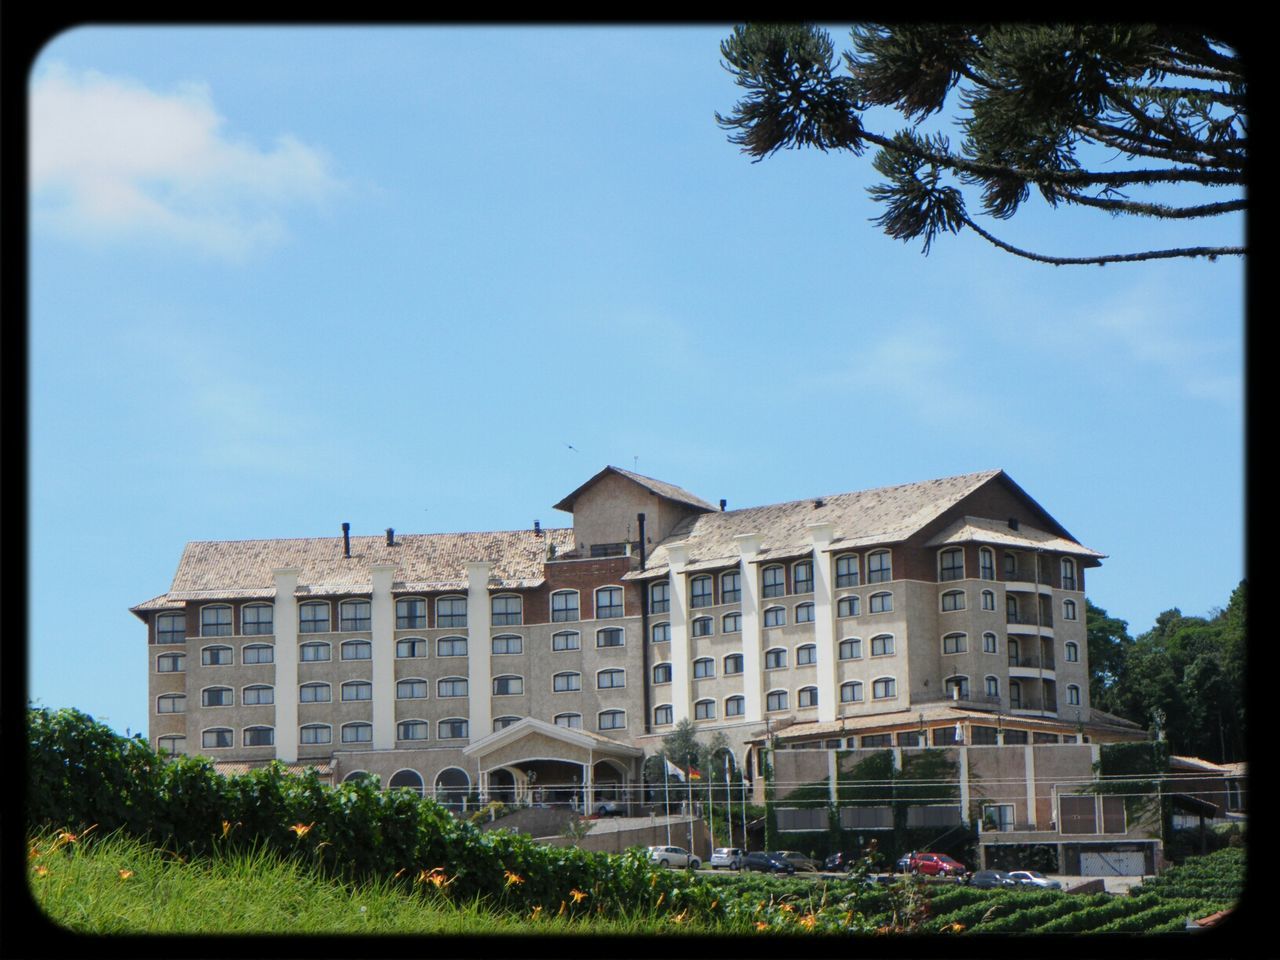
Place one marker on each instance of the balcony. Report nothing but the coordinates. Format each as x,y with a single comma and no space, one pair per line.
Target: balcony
1032,661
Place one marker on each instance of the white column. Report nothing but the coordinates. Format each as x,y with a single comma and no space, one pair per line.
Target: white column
752,672
832,778
964,785
383,625
824,629
285,624
676,555
479,674
1030,773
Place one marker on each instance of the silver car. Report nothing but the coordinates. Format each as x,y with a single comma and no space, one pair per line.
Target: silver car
728,857
673,857
1035,878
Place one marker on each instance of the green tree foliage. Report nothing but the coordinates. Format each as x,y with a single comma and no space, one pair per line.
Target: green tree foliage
1108,641
1051,107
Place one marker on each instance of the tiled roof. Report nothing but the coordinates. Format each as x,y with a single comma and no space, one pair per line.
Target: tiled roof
231,768
161,602
882,515
984,530
243,568
659,487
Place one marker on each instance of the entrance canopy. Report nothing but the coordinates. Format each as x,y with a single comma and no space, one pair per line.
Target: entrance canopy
534,739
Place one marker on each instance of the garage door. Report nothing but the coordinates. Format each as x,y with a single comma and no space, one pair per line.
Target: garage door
1120,864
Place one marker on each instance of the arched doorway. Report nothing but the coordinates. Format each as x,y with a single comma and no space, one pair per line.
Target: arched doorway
502,786
451,788
359,774
407,779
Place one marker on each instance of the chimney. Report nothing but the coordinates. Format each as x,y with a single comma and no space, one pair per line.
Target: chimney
817,503
723,503
346,540
537,528
391,537
1013,523
640,534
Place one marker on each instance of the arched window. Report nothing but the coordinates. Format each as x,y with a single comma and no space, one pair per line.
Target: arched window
314,693
957,688
407,779
258,653
732,663
988,600
506,610
171,628
1011,608
986,563
1073,694
662,715
661,673
610,679
217,697
882,646
451,687
313,617
774,579
703,626
451,612
215,620
217,738
951,564
564,606
804,613
662,632
731,587
731,623
314,651
700,592
992,687
851,691
954,643
411,647
609,637
879,567
566,640
216,656
802,577
1015,694
355,616
453,728
411,613
775,658
734,706
952,600
571,721
259,737
451,647
849,606
1068,609
566,682
881,603
775,700
884,688
1072,652
806,654
508,686
315,733
704,710
258,694
451,788
507,645
171,663
775,616
413,730
356,650
611,720
989,643
847,570
171,703
256,619
660,597
608,602
807,697
704,667
851,648
357,690
412,688
1068,573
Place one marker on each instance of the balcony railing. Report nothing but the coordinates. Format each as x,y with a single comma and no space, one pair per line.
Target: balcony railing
1029,619
1031,660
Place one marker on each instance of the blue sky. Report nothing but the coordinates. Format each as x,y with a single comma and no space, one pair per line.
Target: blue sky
287,277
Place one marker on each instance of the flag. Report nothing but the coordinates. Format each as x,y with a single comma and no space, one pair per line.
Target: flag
959,733
673,770
694,773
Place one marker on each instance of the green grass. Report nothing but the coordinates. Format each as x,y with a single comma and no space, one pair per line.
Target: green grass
81,888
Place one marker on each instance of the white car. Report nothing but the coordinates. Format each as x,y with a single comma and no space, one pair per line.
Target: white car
728,857
1035,878
673,857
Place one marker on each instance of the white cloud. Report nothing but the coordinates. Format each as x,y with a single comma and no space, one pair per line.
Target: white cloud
110,156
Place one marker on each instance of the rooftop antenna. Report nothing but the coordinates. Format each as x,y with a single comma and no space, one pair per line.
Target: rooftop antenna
635,463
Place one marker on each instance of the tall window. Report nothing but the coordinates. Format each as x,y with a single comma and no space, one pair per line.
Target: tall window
1010,563
258,695
354,615
507,645
313,652
847,570
731,587
508,686
609,637
451,687
1011,608
258,653
957,688
357,690
989,643
608,602
884,688
700,594
415,688
733,663
802,577
879,567
1073,695
951,564
850,692
566,682
954,643
1015,697
775,616
313,618
660,597
451,647
806,653
566,640
455,728
313,733
661,673
848,606
851,649
314,693
704,710
735,706
988,600
1012,646
804,613
775,581
171,628
775,659
357,650
703,626
953,600
506,610
1068,573
662,715
776,700
882,645
1068,609
704,667
411,647
807,697
411,614
881,602
993,687
661,632
732,623
1072,652
987,563
611,720
610,679
215,621
218,656
256,620
451,612
564,606
571,721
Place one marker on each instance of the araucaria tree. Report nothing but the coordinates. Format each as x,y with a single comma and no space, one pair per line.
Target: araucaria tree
1129,120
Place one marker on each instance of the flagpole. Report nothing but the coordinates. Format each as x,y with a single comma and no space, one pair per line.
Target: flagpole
666,786
728,798
742,776
711,804
689,777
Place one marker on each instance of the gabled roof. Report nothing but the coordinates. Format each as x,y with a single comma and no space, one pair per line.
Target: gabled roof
668,491
527,725
985,530
879,516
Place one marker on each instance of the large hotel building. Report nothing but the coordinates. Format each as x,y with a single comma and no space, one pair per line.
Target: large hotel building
524,663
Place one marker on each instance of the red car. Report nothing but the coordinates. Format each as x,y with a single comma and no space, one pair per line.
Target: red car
936,865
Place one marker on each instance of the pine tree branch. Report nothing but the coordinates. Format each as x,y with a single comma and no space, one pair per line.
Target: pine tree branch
1168,131
1211,252
1137,144
1198,73
1155,209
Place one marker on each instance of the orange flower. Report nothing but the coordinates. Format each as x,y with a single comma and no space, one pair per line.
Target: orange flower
578,895
302,829
808,921
761,925
537,911
953,928
42,870
126,874
679,917
33,853
228,826
788,908
436,877
513,879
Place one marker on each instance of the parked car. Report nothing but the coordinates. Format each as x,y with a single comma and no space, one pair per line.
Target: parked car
799,860
673,857
992,879
904,863
609,808
840,862
1034,878
728,857
936,865
767,863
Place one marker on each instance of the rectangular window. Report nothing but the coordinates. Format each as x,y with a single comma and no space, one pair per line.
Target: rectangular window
775,582
313,618
355,616
411,614
451,612
951,566
879,567
1077,814
171,628
877,740
802,573
608,602
216,738
257,620
731,587
215,622
700,592
847,570
505,611
357,650
508,645
259,737
564,606
660,597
